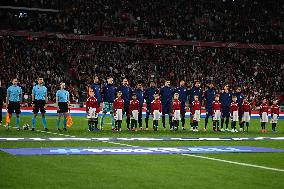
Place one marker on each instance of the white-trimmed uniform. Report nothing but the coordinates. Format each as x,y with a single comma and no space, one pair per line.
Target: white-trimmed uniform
196,115
246,117
216,115
264,117
135,114
118,115
234,110
92,113
177,116
156,115
274,118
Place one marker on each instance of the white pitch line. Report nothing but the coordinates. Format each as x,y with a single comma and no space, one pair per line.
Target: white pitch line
234,162
202,157
121,144
213,159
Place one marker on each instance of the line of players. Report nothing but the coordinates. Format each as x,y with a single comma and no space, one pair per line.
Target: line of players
167,100
172,101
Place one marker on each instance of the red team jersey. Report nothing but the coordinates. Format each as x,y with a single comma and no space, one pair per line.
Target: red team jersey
156,105
134,105
118,104
275,109
216,105
176,105
92,103
195,105
234,107
263,108
246,107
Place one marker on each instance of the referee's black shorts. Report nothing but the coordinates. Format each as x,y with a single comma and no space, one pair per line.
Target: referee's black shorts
39,106
63,107
14,107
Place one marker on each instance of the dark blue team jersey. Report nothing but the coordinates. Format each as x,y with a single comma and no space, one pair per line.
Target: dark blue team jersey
210,97
226,99
195,91
97,91
149,94
109,93
140,96
183,92
166,95
126,93
240,98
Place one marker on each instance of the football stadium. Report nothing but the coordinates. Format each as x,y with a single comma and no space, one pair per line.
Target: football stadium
142,94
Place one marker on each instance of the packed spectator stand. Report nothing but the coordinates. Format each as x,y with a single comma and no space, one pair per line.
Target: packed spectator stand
258,72
257,21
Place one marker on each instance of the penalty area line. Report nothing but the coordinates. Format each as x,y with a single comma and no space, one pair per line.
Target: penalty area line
234,162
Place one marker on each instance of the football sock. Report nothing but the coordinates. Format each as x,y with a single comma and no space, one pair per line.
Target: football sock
58,123
64,122
17,122
33,122
43,120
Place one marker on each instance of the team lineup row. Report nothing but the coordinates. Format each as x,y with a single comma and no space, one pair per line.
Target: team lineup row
123,100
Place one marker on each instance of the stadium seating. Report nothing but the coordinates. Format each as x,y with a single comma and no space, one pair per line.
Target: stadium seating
258,72
208,20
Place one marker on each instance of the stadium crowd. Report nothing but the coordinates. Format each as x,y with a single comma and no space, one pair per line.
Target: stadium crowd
209,20
258,72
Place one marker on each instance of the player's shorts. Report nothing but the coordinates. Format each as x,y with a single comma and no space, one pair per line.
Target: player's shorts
246,117
217,115
240,113
126,108
148,109
107,107
14,107
166,109
177,115
92,113
63,107
134,114
264,117
196,115
235,116
209,111
118,115
183,109
156,115
226,111
274,118
39,106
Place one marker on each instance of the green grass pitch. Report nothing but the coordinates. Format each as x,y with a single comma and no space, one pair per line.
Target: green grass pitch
140,171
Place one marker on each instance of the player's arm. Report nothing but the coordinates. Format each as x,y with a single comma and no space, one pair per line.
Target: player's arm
114,107
56,99
21,95
192,109
152,106
68,99
46,98
123,106
97,107
33,96
7,101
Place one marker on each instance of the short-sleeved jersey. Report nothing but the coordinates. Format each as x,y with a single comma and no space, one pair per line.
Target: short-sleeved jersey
15,93
39,92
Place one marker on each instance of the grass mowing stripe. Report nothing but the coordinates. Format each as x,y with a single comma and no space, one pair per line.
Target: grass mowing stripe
49,132
234,162
197,156
216,159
